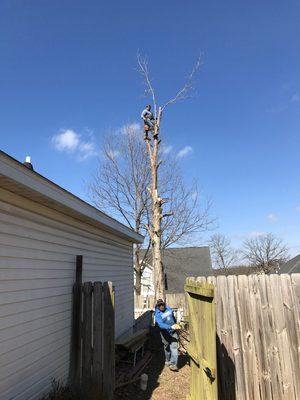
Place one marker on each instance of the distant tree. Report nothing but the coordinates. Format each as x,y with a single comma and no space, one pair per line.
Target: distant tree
265,252
223,255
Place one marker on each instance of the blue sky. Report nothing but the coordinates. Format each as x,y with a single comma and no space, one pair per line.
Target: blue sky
70,65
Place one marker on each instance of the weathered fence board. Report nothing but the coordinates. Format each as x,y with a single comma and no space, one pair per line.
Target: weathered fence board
108,343
258,336
97,336
94,337
74,373
87,333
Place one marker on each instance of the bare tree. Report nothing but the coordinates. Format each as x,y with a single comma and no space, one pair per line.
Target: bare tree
265,252
157,201
119,187
224,256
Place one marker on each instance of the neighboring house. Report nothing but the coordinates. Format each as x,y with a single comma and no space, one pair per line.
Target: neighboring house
42,229
179,263
147,281
291,267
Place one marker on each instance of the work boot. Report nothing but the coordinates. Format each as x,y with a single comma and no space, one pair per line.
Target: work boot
173,368
167,363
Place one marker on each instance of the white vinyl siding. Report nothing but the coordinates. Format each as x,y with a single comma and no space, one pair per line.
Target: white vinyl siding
38,247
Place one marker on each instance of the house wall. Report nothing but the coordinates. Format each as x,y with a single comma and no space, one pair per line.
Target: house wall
37,270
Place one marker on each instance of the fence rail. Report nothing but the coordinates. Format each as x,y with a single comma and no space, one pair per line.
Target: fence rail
258,336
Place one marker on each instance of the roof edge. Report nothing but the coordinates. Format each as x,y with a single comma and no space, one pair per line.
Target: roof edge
21,175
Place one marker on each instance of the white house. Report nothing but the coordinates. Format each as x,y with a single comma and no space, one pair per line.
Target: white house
147,282
42,229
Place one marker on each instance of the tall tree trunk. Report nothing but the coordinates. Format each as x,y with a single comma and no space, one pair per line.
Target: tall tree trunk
157,202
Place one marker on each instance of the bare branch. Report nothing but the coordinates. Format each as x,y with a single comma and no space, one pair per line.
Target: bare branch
170,214
183,93
143,69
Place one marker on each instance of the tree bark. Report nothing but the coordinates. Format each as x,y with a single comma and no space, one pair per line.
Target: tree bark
157,202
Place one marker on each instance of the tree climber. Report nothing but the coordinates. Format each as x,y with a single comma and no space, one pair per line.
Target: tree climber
148,119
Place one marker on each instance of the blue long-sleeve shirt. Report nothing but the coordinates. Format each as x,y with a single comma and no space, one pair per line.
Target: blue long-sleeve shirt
165,319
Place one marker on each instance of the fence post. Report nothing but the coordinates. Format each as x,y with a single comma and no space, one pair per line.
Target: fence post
76,324
108,340
97,336
87,333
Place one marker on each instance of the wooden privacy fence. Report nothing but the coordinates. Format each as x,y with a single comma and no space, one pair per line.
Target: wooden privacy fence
93,344
202,347
258,336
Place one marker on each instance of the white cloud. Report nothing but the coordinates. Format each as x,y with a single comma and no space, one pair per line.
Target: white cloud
185,152
167,149
286,87
135,126
87,149
255,234
247,235
132,128
67,140
295,97
70,141
277,109
272,217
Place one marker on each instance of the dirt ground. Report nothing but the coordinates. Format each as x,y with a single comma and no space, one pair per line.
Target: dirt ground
163,384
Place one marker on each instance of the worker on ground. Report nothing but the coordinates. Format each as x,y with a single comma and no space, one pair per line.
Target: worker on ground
165,320
148,119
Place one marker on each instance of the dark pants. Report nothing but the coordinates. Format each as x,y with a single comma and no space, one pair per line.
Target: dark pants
170,342
149,123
